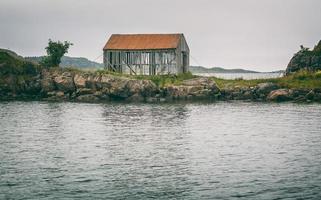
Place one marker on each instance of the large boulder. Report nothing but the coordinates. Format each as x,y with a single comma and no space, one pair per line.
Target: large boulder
194,88
64,82
47,83
280,95
105,81
144,88
80,80
117,87
84,80
91,81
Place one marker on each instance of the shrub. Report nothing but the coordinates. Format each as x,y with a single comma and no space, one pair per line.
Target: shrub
55,51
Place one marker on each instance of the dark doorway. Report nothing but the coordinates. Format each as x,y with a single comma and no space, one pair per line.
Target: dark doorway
184,62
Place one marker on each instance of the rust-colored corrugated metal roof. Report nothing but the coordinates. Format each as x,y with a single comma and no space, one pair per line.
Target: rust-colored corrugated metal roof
142,41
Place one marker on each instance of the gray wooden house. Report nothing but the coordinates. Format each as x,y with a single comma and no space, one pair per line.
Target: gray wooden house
147,54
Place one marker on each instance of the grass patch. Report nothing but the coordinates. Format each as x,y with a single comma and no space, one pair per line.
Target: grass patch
299,80
166,80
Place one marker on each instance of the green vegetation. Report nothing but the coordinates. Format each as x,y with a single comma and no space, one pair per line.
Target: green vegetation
166,80
55,51
298,80
12,64
315,52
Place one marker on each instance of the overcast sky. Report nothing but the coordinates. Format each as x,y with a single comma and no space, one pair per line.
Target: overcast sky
253,34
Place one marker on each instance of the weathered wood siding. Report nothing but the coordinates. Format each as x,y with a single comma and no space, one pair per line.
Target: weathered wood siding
180,51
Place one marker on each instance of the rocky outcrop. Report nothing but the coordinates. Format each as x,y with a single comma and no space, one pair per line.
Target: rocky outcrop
280,95
197,88
265,88
64,82
305,60
80,86
253,93
62,85
21,79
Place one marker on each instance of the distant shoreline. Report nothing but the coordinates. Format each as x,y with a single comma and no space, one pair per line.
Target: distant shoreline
64,84
84,63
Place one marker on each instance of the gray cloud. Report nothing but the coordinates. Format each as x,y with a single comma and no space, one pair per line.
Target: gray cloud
260,35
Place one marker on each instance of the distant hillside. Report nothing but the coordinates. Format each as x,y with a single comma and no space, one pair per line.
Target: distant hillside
66,61
200,69
80,62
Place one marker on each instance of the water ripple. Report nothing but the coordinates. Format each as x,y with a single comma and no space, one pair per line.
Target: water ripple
142,151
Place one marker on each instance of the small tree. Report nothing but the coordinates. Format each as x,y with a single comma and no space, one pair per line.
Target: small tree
55,51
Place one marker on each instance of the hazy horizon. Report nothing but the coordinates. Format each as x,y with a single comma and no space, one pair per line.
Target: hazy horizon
261,36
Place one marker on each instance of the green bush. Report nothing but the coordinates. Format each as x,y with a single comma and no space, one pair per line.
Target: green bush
55,51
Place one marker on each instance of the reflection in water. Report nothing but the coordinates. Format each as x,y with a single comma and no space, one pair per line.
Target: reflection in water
140,151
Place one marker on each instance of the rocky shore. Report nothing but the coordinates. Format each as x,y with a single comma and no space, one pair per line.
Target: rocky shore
64,85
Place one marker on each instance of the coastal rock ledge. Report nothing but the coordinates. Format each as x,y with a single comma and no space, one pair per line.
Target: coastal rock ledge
73,85
103,87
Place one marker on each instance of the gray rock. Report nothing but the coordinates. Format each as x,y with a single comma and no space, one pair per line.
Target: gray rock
136,98
83,91
194,88
56,96
64,82
265,88
317,96
46,82
80,80
300,99
125,88
32,87
60,94
91,81
310,95
87,98
105,81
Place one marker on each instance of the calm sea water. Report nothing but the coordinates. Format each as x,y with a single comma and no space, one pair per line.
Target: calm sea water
245,76
143,151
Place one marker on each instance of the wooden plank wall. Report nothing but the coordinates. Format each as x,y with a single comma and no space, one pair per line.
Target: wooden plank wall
152,62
